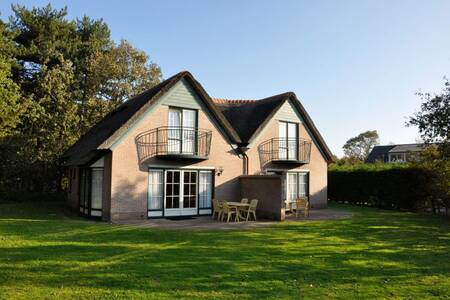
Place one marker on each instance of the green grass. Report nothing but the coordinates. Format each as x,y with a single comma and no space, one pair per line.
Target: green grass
376,254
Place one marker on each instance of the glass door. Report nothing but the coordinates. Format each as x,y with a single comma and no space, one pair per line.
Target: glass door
288,141
181,193
91,192
174,131
282,145
189,131
182,132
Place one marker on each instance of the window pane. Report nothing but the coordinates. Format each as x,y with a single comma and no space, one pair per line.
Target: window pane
155,189
97,188
176,202
205,189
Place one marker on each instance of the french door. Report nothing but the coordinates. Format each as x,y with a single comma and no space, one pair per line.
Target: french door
179,192
288,139
182,131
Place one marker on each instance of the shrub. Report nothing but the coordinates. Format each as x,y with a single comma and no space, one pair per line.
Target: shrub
389,186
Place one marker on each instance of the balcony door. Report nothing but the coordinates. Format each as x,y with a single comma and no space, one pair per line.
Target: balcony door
288,140
181,136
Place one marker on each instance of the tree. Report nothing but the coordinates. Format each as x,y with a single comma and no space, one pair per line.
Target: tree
433,120
58,77
10,110
115,76
359,147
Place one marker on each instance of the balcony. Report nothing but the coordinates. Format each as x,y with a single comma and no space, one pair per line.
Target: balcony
174,143
285,151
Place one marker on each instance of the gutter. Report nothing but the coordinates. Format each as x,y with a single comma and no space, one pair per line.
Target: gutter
242,149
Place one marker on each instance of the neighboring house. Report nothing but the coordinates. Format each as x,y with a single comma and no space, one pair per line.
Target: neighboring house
394,153
171,149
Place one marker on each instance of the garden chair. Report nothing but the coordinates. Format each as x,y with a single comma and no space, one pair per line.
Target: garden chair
217,209
229,211
252,209
244,200
302,204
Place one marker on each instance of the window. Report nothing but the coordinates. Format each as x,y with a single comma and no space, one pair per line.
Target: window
397,157
97,189
91,191
288,140
155,189
205,189
297,185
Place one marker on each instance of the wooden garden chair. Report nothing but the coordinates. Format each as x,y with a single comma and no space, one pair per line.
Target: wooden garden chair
217,209
302,204
251,210
229,211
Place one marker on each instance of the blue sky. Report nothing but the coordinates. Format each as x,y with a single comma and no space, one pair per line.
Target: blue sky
355,65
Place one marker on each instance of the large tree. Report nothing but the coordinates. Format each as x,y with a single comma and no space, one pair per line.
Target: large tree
433,119
64,76
359,147
10,111
433,122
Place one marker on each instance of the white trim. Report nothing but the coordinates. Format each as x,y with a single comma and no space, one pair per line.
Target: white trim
171,167
204,211
154,214
100,163
95,213
287,170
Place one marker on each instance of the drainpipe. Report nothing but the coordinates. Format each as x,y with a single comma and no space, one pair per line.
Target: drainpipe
242,149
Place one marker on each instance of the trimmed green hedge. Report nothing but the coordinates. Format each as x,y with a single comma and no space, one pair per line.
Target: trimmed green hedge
390,186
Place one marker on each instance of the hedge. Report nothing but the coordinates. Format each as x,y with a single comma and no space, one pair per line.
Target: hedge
389,186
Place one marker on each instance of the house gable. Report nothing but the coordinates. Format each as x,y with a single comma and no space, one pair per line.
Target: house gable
290,111
182,95
287,112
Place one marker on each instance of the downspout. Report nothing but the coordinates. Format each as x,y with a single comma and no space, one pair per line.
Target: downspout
242,149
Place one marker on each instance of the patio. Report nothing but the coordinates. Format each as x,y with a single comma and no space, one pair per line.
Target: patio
207,223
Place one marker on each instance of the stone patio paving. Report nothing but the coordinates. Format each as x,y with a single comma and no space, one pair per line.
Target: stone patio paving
206,223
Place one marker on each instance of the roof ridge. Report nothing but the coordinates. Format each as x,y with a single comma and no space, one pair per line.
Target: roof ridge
232,101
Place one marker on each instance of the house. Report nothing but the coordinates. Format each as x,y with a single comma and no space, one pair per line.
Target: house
394,153
171,149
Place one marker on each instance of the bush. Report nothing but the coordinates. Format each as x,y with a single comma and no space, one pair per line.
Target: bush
389,186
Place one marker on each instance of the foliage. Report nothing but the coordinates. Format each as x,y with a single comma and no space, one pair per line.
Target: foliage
391,186
376,254
433,120
437,165
359,147
58,78
10,110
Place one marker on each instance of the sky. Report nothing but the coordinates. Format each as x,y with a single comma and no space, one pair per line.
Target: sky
354,65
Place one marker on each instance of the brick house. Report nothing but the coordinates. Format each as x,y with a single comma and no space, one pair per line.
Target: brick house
171,149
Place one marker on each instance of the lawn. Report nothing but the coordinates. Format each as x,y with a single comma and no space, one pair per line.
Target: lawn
382,254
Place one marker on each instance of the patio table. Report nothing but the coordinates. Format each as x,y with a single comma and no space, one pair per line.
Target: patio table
240,206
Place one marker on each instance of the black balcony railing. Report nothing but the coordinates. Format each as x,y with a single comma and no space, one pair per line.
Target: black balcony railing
176,142
285,150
